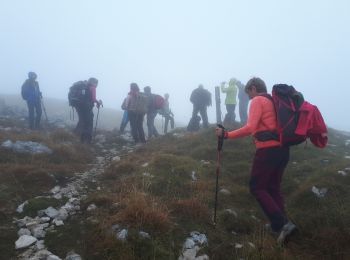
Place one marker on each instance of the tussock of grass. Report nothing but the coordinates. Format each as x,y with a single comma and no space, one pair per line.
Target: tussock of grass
142,212
191,210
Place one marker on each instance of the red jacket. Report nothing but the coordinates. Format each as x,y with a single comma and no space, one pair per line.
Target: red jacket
311,124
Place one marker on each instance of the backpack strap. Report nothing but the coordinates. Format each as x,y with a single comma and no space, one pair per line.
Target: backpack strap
267,135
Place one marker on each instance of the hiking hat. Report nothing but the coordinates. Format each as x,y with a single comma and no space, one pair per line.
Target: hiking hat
147,89
32,75
134,87
92,81
233,81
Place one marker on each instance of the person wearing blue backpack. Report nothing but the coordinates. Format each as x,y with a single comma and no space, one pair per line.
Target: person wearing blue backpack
31,94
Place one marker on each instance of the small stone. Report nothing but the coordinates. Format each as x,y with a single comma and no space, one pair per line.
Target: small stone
21,207
343,173
58,222
225,192
55,190
143,234
23,231
193,175
122,235
73,256
116,158
53,257
320,193
145,164
25,241
231,212
39,245
251,244
189,243
238,245
51,212
44,219
91,207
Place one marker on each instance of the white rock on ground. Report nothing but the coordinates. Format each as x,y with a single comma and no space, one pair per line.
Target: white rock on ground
25,241
23,231
320,193
231,212
192,246
51,212
122,235
21,207
73,256
53,257
343,173
193,175
225,192
143,234
116,158
91,207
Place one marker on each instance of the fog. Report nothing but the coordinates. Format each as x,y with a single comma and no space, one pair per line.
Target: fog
173,46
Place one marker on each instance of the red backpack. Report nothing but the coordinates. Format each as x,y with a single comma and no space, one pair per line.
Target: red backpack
297,119
159,101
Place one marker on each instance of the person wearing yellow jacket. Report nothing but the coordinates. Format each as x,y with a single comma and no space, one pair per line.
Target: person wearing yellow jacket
230,100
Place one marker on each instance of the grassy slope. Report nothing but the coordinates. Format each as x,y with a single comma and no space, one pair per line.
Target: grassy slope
169,204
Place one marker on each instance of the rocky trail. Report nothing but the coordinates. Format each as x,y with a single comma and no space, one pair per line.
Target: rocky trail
32,230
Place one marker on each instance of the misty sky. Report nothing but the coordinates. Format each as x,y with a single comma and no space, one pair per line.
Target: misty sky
173,46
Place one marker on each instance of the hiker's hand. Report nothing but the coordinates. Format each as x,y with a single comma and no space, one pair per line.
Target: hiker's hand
99,103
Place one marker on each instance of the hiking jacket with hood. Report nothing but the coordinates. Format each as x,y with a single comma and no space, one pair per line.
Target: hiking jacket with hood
231,93
262,117
30,91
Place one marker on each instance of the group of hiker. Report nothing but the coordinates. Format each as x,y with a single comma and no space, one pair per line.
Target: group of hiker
201,100
273,121
137,104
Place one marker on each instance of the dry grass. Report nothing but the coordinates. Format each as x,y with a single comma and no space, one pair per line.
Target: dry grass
142,212
191,209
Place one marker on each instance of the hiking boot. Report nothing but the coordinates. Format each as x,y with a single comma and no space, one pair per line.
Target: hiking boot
286,231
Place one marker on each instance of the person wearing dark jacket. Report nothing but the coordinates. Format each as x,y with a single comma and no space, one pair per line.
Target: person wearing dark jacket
151,113
85,112
31,93
243,99
201,99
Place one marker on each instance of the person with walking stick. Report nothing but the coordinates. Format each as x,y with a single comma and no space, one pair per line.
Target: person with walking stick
270,160
31,94
82,96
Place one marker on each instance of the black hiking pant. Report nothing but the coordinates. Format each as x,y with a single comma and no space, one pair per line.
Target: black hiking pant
85,123
136,124
34,114
203,112
152,131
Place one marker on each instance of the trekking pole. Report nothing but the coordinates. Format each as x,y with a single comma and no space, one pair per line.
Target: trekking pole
44,109
218,167
98,112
